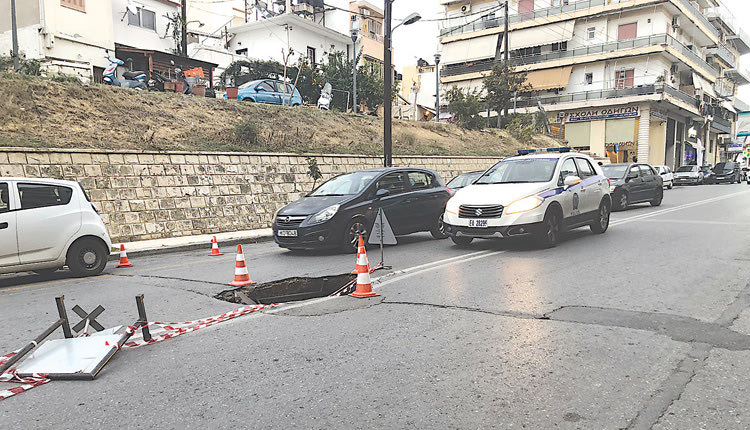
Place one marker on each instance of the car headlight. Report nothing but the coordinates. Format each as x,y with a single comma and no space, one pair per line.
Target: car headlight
325,214
612,188
524,205
452,206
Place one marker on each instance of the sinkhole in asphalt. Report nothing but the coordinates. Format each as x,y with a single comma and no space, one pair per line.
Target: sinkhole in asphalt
286,290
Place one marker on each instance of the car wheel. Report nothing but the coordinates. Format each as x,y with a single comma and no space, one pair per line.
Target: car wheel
549,232
622,201
601,223
438,231
354,229
670,185
87,257
461,240
659,197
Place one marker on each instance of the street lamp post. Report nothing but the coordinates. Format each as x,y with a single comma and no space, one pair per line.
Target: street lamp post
388,80
437,87
14,35
355,34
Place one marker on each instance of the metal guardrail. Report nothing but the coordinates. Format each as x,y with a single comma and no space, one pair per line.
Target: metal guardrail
659,39
640,90
724,53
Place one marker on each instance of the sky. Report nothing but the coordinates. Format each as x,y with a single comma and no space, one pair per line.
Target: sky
419,40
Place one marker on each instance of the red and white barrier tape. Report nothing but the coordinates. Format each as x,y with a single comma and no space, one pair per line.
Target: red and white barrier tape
173,330
11,376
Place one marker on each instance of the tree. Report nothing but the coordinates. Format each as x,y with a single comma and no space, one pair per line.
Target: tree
500,86
338,72
465,106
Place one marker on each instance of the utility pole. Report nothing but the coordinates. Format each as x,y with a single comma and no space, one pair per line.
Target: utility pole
505,53
355,34
437,88
388,86
14,28
183,42
245,11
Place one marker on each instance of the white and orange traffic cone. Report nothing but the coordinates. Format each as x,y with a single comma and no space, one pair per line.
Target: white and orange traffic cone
124,257
364,284
356,262
214,248
241,276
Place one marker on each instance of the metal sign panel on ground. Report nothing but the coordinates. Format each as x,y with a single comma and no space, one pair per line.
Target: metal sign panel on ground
381,224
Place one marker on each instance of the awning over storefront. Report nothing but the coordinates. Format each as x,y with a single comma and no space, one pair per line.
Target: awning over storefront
550,78
728,106
470,49
701,84
546,35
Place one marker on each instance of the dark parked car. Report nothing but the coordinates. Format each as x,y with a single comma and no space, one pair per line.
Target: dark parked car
707,171
633,183
463,180
726,171
344,207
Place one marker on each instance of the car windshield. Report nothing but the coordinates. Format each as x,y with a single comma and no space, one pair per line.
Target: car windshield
519,170
348,184
686,169
615,171
461,181
721,166
248,84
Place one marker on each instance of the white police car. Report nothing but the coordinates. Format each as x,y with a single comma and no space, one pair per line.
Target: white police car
538,193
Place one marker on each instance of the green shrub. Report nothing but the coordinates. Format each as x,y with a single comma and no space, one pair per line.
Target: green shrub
246,132
521,129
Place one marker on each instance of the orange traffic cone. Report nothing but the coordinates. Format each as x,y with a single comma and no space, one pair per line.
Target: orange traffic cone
124,257
356,262
241,277
214,248
364,285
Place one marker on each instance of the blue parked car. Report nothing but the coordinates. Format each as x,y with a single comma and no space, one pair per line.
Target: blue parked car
268,91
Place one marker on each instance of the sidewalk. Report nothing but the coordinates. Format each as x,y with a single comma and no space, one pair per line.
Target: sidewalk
156,246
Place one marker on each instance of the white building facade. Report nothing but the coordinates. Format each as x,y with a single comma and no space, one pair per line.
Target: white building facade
651,80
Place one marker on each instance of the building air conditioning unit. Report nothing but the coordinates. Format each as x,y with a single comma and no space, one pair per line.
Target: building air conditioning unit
676,22
674,70
365,12
466,9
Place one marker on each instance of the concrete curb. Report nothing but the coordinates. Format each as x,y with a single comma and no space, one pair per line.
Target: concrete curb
186,243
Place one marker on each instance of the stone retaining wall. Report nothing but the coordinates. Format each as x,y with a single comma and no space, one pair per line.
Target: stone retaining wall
154,195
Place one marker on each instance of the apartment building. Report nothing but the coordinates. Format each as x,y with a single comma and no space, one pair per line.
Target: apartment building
651,80
66,36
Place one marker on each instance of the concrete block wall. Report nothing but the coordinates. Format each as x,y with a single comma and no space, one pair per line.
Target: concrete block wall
154,195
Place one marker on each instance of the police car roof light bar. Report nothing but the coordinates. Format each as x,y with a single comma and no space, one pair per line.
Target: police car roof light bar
532,150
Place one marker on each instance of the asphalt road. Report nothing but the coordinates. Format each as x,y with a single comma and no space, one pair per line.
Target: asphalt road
646,326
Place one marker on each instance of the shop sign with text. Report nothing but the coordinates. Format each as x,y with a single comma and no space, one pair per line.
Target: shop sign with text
600,113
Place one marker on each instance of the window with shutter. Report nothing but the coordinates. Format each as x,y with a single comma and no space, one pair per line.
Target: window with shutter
79,5
627,31
624,79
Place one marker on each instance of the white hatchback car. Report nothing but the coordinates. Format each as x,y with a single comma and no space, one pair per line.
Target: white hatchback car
540,193
666,175
46,224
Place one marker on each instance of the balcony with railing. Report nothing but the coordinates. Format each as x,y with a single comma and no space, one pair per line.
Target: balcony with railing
721,125
620,45
611,93
720,15
572,6
723,53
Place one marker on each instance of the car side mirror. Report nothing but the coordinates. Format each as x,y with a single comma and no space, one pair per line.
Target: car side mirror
381,193
571,180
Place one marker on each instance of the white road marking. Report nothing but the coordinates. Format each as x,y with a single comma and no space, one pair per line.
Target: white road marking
676,208
702,222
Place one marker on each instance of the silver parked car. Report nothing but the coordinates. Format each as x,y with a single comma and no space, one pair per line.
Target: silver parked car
688,175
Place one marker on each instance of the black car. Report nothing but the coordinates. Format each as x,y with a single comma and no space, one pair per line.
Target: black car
344,207
463,180
726,171
633,183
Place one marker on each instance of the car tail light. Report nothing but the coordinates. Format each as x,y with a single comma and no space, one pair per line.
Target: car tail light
609,183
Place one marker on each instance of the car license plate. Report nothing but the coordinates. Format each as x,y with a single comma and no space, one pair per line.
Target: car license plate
287,233
481,223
